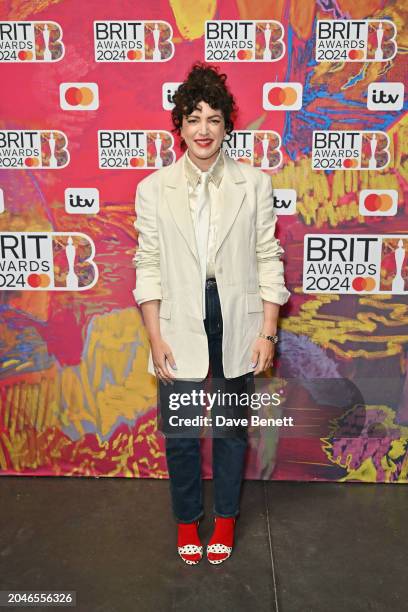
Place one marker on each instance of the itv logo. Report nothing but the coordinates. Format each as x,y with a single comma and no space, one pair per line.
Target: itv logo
385,96
168,91
284,201
82,201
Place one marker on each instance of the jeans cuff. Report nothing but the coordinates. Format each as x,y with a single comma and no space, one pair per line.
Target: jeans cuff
190,520
226,515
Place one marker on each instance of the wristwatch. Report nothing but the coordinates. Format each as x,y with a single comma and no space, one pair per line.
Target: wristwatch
273,339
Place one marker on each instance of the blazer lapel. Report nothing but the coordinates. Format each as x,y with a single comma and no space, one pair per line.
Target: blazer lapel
231,196
176,193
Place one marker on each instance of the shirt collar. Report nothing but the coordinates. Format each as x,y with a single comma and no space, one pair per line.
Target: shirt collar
193,173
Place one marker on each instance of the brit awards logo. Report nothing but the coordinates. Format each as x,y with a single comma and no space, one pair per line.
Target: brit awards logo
35,149
350,150
244,41
135,149
133,41
79,96
259,149
48,261
282,96
355,264
30,41
349,40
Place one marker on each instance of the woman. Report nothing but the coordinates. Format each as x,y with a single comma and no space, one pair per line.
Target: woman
209,284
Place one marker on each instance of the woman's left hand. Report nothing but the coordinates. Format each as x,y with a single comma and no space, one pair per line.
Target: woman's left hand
262,355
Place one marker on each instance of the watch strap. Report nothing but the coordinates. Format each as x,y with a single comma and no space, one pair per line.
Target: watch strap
273,339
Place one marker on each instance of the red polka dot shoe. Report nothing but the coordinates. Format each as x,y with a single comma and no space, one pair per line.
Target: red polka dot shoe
189,545
219,547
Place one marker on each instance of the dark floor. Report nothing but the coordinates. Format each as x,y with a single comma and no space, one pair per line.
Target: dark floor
300,547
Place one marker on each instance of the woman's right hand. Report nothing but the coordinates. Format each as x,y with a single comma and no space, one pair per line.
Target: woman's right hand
160,353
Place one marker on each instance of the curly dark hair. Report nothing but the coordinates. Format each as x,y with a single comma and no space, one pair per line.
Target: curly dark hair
203,83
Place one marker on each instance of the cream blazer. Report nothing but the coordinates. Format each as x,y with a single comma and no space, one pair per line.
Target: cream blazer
247,264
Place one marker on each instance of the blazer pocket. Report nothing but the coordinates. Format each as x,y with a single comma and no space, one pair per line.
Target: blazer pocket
254,302
165,309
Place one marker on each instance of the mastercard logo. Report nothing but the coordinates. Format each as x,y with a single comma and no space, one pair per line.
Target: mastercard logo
32,162
356,54
76,96
134,54
363,283
25,56
350,163
282,96
378,202
79,96
38,280
137,162
279,96
245,54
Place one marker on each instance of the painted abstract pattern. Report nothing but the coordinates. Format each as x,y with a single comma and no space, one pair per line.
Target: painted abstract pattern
75,396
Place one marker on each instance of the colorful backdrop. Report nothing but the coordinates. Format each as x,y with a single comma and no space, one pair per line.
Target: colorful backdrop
85,115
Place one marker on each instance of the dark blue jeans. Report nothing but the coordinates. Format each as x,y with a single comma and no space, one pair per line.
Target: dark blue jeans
229,443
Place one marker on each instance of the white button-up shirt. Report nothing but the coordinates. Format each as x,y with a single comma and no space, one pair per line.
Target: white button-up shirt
194,177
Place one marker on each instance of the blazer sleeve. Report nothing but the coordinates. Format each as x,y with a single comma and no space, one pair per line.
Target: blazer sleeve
268,249
147,254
